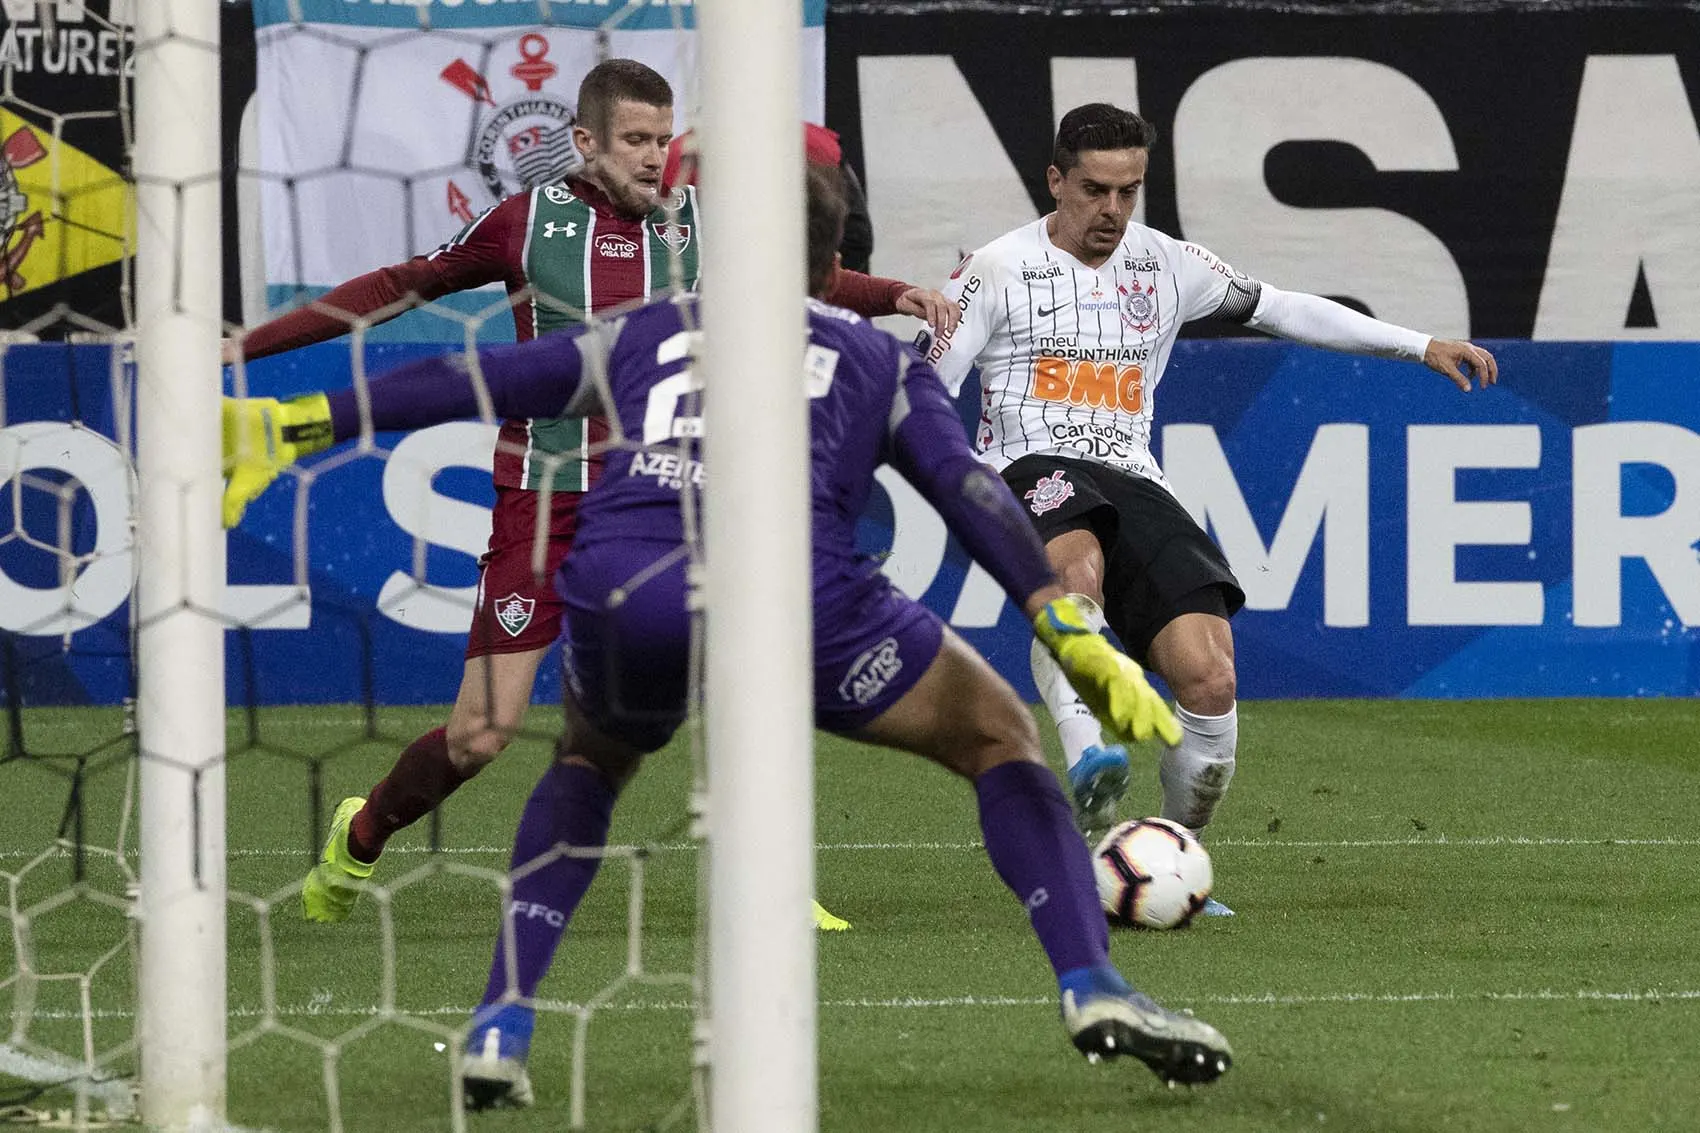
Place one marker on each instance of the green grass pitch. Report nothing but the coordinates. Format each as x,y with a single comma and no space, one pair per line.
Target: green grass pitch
1452,916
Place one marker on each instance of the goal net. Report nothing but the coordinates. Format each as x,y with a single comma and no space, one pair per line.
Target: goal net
184,709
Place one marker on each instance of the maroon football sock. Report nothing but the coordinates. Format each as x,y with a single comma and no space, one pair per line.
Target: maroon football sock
423,776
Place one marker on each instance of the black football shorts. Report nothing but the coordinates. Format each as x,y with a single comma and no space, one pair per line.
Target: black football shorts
1158,563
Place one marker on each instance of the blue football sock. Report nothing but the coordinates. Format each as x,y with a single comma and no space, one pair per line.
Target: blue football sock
572,804
1031,839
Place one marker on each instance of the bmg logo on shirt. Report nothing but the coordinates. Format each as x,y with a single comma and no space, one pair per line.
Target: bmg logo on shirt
1096,385
871,672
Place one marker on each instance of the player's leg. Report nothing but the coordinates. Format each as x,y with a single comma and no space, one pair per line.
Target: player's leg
1073,518
1169,597
1097,772
494,694
557,852
1194,653
961,714
625,667
516,616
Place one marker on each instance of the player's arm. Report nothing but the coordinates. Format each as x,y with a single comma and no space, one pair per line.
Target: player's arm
480,253
872,296
972,289
928,447
540,378
1316,321
1217,290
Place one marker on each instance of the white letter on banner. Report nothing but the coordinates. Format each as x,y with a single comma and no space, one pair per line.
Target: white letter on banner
927,147
1631,193
1437,523
1332,485
89,590
439,520
1230,119
1602,536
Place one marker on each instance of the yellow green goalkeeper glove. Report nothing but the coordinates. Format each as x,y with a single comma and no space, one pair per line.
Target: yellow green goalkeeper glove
262,437
1111,683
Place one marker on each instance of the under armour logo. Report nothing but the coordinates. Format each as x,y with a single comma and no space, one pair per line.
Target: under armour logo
569,229
1037,899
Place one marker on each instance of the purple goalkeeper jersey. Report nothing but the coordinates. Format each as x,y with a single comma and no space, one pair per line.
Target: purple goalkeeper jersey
873,401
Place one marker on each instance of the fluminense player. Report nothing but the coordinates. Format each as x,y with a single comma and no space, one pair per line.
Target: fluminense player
589,243
1071,320
887,670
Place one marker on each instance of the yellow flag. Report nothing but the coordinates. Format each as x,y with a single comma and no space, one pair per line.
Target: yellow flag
61,211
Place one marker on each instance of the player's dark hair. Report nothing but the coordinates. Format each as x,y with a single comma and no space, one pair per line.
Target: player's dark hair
1098,126
618,80
827,208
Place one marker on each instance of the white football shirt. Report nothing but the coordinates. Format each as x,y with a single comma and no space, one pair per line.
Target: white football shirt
1070,356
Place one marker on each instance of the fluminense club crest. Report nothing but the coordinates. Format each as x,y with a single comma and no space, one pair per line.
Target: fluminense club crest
1049,493
675,236
515,613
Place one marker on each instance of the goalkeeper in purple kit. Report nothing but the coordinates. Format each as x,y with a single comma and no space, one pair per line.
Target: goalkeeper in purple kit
626,646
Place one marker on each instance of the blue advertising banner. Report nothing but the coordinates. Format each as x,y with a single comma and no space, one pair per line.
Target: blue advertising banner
1394,536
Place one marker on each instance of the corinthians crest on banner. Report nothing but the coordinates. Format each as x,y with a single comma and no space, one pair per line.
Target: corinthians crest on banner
384,128
522,142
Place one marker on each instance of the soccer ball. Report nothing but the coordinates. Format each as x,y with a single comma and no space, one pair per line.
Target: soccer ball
1152,873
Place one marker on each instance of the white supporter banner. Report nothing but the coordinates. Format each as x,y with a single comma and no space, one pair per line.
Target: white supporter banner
386,125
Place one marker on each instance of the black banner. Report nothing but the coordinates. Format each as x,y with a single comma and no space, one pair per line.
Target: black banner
1509,173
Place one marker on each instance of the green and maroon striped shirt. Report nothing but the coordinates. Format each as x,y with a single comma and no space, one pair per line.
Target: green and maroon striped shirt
565,253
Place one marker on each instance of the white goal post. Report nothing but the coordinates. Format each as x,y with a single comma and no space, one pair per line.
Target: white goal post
181,565
758,703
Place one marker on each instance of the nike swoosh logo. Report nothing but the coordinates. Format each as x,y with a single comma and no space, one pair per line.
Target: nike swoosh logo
1047,312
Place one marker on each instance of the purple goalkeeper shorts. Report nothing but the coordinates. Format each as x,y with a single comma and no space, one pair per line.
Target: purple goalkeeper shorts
626,642
871,645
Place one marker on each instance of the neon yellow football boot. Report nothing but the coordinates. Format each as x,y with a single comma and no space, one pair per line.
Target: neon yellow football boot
826,922
333,885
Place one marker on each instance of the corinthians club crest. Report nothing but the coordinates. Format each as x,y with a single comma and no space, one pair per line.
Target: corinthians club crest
1049,493
520,143
1139,309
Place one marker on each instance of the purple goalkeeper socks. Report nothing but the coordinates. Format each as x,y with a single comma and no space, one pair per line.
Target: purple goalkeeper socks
1031,839
572,804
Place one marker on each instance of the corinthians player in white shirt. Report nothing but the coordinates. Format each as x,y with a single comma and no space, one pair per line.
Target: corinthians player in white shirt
1071,320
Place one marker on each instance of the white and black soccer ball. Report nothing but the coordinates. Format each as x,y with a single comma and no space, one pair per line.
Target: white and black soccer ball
1152,873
